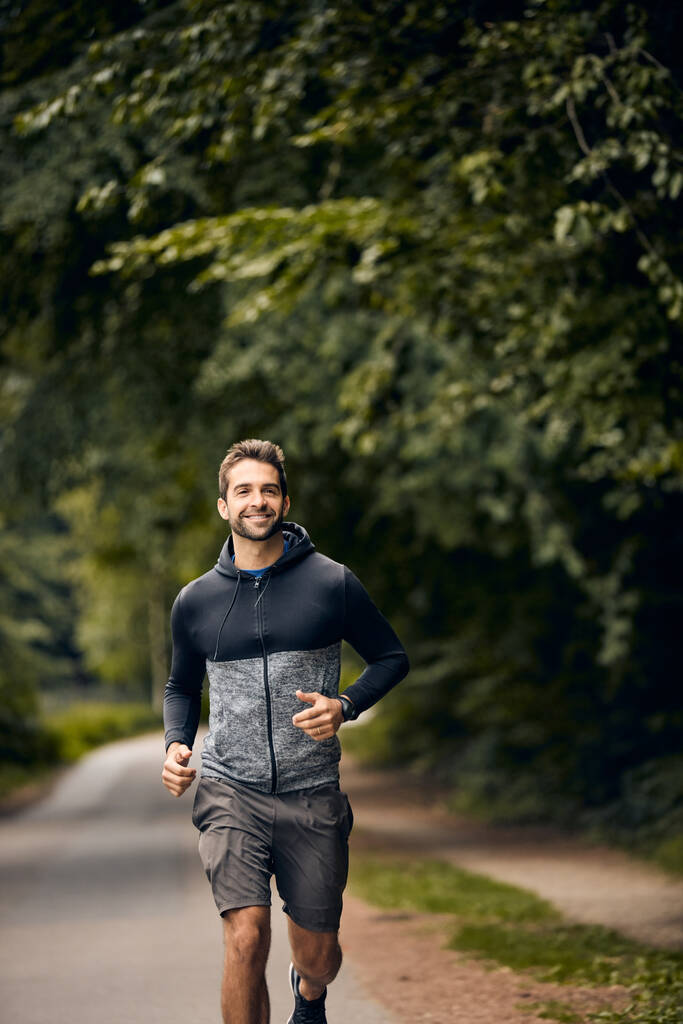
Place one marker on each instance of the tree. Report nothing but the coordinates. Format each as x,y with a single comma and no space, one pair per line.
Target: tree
444,244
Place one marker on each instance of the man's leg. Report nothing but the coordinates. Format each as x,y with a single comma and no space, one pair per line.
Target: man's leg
244,996
316,956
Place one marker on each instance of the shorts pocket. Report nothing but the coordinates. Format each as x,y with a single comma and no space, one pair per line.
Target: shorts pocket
349,815
196,805
204,803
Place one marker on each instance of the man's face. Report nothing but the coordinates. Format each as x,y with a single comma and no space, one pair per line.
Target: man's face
255,507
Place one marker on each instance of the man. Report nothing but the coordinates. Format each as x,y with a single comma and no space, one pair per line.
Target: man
266,625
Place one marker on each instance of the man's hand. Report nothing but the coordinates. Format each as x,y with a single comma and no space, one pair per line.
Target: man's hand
322,720
175,775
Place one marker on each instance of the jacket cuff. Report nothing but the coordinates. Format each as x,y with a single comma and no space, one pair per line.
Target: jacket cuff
175,737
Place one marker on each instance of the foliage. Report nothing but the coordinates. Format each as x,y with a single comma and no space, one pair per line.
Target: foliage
61,737
552,1009
587,955
16,779
39,36
432,250
87,725
657,993
36,643
648,817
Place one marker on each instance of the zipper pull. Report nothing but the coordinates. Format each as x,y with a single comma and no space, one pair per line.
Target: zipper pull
257,581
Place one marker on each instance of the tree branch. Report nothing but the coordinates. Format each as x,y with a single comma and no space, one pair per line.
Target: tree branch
586,150
578,130
654,61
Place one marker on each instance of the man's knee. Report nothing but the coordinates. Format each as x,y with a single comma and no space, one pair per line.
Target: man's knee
319,957
246,932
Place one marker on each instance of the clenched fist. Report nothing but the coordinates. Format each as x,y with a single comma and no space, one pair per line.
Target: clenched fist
175,774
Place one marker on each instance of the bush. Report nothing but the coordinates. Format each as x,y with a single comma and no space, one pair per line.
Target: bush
64,736
648,816
84,726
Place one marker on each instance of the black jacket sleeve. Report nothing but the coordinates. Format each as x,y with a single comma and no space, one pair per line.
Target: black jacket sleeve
372,637
183,693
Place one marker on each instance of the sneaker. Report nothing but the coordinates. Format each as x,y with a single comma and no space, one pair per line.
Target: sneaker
306,1011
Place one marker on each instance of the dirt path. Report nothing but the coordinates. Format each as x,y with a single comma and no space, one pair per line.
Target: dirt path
590,884
401,957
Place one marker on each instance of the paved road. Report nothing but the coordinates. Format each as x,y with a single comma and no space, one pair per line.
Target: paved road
107,916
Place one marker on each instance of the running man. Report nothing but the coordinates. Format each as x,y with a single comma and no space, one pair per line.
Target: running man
266,625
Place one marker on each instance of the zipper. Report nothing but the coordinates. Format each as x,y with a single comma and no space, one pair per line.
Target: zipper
266,685
234,598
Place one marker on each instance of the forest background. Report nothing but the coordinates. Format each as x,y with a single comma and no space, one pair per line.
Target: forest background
432,249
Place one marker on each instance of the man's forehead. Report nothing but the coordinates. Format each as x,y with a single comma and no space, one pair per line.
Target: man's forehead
251,471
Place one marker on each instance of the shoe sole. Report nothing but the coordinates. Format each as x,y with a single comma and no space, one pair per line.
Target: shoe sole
292,985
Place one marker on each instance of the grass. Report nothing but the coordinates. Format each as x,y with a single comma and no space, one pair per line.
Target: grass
18,777
507,925
441,888
552,1009
669,854
587,954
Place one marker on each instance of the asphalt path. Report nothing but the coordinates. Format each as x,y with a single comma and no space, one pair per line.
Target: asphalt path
106,913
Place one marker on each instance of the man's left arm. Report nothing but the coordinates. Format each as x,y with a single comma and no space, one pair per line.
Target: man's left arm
373,638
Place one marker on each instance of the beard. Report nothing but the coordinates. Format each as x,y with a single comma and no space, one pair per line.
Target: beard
243,528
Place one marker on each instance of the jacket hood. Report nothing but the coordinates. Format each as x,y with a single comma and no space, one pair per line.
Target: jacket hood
300,545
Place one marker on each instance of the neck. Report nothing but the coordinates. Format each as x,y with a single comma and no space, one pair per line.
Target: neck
257,554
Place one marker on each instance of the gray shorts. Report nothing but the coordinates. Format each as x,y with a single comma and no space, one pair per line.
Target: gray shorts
301,837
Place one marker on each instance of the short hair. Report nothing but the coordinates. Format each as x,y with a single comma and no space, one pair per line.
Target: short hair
252,448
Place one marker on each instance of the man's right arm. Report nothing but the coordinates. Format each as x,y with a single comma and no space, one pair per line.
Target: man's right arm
182,704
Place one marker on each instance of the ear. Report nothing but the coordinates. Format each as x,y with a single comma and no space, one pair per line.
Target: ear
285,506
222,509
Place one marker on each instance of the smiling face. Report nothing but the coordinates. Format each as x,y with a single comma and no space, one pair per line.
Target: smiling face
254,505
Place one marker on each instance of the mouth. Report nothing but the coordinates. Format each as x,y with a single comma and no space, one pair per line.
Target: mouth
259,518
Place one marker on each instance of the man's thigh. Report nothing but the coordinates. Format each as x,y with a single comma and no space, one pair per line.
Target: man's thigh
310,855
235,830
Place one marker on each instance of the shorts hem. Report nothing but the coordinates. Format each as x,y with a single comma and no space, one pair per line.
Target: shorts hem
241,905
309,928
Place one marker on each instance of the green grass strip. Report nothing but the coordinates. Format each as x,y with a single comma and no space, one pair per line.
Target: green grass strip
552,1010
440,888
512,926
588,954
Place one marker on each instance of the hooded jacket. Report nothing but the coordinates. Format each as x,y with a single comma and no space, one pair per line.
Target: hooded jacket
261,638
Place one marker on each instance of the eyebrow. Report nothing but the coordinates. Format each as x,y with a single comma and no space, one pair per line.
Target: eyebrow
248,483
